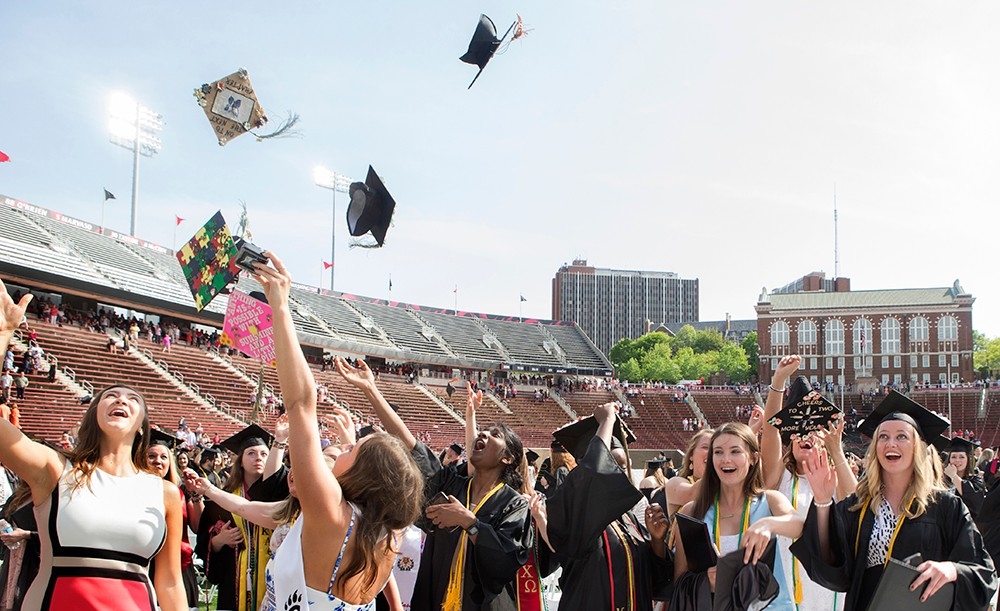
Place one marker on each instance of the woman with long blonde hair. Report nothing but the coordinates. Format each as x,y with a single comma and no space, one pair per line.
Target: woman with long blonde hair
899,509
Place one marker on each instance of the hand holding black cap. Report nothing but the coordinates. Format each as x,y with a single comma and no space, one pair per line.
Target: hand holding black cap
805,410
739,585
371,207
897,406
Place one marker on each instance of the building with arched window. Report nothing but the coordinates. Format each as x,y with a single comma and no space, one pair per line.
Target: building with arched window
902,336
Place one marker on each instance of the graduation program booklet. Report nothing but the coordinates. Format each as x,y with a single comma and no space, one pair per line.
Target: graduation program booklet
893,591
698,548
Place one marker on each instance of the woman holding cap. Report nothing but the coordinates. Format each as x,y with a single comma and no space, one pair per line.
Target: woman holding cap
102,516
962,476
899,510
783,471
339,553
739,512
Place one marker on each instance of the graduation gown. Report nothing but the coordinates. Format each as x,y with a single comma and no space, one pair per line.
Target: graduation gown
945,532
988,519
603,548
973,492
491,563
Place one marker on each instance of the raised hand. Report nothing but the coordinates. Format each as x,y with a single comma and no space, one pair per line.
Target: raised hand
656,522
606,411
786,367
11,314
474,400
281,429
360,376
756,419
342,424
195,483
822,477
274,279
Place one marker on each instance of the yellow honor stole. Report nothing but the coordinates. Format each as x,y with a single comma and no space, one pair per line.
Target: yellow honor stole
453,595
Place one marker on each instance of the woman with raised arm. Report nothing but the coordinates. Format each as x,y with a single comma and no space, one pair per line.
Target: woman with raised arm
102,516
739,512
339,553
478,525
683,488
899,510
782,459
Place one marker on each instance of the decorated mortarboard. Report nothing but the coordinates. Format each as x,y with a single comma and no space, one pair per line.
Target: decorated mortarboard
531,455
576,437
233,110
371,207
805,410
248,328
160,438
897,406
249,437
208,261
485,44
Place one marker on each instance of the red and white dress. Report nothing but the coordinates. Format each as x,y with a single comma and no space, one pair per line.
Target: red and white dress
97,542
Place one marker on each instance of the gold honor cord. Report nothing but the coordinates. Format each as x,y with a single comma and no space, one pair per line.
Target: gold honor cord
453,595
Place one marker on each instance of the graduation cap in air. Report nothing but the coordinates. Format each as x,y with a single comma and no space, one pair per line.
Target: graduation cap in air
805,410
371,207
249,437
484,43
897,406
576,437
208,260
231,106
159,438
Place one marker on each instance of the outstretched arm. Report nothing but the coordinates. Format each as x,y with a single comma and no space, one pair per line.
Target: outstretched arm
362,378
473,402
770,439
258,512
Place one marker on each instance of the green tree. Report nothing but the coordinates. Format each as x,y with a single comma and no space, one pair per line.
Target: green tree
684,338
696,366
629,370
733,361
658,365
752,350
986,355
709,340
622,351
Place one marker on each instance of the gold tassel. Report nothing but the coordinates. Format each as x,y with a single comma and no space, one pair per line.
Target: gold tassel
453,595
797,578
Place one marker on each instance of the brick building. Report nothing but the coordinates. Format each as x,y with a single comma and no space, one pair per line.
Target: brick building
901,336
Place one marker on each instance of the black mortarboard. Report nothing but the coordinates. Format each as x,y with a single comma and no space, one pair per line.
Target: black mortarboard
531,455
576,437
365,431
371,207
656,463
805,410
457,449
698,547
158,437
740,586
483,45
249,437
208,453
897,406
961,444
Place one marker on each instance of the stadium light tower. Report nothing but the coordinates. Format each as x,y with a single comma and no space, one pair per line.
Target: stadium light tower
327,179
134,127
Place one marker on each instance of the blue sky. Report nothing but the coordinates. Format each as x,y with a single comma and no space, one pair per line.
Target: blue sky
699,138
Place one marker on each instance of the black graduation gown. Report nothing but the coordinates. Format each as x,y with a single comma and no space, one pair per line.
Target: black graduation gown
590,519
491,563
220,566
945,532
988,520
973,492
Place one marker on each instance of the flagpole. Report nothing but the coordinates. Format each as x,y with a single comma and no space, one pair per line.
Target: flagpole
390,287
456,299
520,308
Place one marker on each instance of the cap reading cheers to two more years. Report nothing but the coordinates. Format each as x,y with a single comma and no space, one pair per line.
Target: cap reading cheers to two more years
249,437
897,406
805,410
576,437
371,207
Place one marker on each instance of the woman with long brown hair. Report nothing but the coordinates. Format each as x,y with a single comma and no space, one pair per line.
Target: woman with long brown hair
100,511
339,553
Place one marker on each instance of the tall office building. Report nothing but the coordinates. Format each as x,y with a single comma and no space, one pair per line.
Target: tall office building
611,304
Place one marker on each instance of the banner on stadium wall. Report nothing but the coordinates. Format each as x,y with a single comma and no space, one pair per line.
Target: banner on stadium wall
248,327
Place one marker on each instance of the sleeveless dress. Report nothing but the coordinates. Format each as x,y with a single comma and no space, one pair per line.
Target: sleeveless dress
285,582
97,542
814,596
759,508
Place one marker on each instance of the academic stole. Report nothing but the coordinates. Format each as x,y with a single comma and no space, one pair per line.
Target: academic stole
623,538
895,531
456,577
529,582
251,560
796,576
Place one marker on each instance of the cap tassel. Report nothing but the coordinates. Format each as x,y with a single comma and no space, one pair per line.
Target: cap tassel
286,129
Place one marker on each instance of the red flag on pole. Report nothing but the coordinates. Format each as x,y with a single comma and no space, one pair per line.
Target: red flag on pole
327,265
4,157
456,289
179,220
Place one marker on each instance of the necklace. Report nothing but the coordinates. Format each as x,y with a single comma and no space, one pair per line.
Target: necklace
732,515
